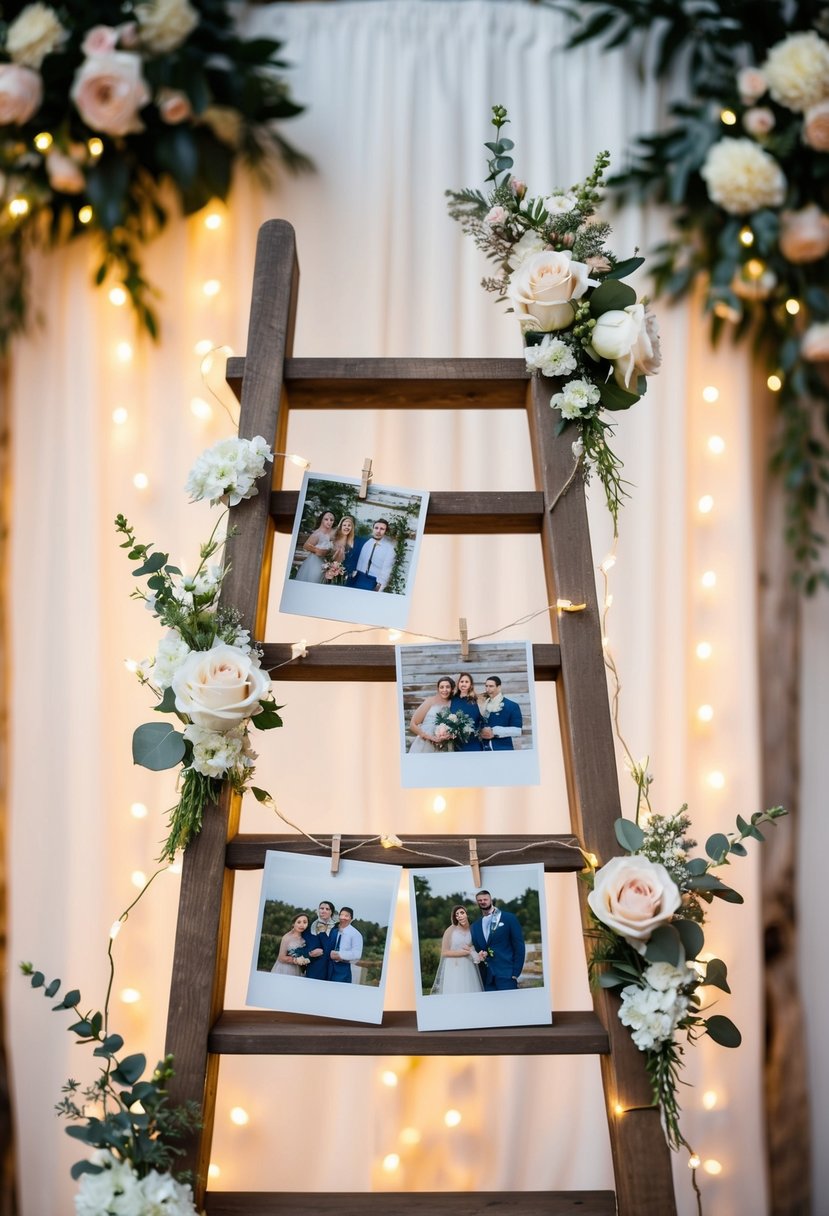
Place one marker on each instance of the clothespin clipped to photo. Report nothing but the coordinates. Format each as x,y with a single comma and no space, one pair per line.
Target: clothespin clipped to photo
569,606
464,633
336,842
473,861
365,477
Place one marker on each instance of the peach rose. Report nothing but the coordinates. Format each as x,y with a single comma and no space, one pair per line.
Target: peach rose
65,175
100,40
751,85
804,234
814,346
816,126
633,896
21,92
109,90
219,688
174,106
758,121
542,288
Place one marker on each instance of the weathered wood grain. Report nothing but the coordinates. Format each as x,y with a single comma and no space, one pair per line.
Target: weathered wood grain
450,514
368,662
426,1203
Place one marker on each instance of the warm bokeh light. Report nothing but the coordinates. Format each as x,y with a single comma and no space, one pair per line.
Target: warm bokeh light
710,1099
411,1135
213,1170
200,408
452,1118
746,237
389,1078
203,347
138,879
85,214
138,810
755,268
211,288
709,579
391,1162
140,481
117,296
728,118
119,416
618,1109
710,394
18,207
131,666
792,307
43,141
716,779
213,220
693,1162
123,352
239,1116
705,713
95,146
439,804
705,505
130,995
775,383
712,1167
704,650
716,445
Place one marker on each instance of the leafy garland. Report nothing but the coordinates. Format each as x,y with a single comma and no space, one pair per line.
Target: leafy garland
105,104
744,164
581,325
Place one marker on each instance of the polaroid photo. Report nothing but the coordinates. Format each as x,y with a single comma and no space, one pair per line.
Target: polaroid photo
480,953
322,941
467,722
354,559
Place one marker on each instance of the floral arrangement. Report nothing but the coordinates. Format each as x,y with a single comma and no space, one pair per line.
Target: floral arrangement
105,104
648,909
581,324
744,164
453,726
129,1122
333,570
206,671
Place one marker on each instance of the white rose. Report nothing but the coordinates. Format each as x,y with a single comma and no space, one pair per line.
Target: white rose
758,121
633,896
543,287
797,70
740,177
630,340
495,215
165,24
529,244
34,34
109,90
219,688
21,92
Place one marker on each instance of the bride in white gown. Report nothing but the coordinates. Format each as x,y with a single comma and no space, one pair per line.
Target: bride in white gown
318,546
457,973
423,719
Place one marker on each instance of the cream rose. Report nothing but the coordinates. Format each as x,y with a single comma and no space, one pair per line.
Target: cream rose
220,688
109,90
797,70
740,177
542,288
633,896
804,235
816,126
165,24
629,338
21,92
34,34
814,346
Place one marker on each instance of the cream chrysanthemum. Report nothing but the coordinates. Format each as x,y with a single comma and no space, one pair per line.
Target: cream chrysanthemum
742,177
797,70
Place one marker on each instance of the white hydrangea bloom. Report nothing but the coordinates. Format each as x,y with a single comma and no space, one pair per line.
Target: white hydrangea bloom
171,653
163,1196
797,70
114,1192
741,176
576,398
214,754
229,469
552,357
652,1013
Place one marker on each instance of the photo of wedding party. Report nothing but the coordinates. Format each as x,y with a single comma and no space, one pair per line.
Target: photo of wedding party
315,930
467,722
479,951
352,558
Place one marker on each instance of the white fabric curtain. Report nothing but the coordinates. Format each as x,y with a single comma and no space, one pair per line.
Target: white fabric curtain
398,101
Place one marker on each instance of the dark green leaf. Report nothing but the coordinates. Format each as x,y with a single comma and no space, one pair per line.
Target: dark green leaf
716,846
153,563
111,1044
70,1000
267,720
716,975
615,398
629,835
156,746
167,704
622,269
130,1069
51,989
691,936
611,296
37,979
723,1031
260,795
84,1167
664,946
697,865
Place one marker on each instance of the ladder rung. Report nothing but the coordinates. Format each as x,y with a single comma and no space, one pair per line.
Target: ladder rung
361,384
451,514
558,854
241,1032
375,663
397,1203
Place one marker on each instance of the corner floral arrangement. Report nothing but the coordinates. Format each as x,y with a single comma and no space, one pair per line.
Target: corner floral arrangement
129,1122
206,672
744,164
102,106
580,323
648,909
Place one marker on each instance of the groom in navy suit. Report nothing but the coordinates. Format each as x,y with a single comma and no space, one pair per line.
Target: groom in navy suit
502,719
371,560
499,941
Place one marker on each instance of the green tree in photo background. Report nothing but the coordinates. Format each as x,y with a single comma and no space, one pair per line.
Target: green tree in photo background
278,917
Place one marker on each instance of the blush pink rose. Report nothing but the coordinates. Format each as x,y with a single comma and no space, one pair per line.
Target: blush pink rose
816,126
100,40
633,896
21,92
174,106
65,175
495,215
814,346
751,84
804,234
109,90
758,121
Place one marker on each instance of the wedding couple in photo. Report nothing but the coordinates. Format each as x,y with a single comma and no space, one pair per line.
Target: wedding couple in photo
322,949
337,556
457,718
486,956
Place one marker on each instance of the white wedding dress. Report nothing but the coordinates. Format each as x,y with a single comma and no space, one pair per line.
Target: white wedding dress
457,975
312,569
428,724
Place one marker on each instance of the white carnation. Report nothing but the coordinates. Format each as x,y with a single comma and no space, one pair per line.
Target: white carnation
651,1014
113,1192
576,398
560,203
171,653
552,357
230,468
742,177
214,754
165,24
34,34
797,70
163,1196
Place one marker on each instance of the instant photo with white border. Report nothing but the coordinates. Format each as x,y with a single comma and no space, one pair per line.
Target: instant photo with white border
303,882
524,1006
420,667
401,508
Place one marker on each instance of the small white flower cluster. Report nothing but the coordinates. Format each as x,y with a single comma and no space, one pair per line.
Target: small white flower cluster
552,357
654,1010
230,469
576,399
217,753
118,1191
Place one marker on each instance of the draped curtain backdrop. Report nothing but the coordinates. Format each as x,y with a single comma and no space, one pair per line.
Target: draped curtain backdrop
398,108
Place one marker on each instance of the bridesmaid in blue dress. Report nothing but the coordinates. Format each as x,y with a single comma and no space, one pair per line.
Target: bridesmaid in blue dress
466,700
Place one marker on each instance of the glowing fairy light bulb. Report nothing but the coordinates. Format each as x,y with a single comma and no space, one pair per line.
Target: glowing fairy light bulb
705,505
452,1118
138,810
239,1116
704,650
212,221
43,141
709,579
389,1078
391,1162
130,996
775,383
439,804
138,879
716,779
140,481
710,1099
117,296
705,713
203,347
712,1167
728,118
119,415
716,445
710,394
211,288
123,352
85,214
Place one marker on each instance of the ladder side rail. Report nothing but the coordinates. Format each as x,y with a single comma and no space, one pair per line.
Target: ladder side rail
641,1157
203,925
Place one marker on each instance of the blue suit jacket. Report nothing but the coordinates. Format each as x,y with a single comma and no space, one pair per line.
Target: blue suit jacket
320,968
355,578
508,715
506,942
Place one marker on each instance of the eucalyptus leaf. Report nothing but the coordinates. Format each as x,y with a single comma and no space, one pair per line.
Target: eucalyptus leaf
716,846
629,835
723,1031
260,795
611,296
615,398
157,746
697,865
665,946
167,704
691,936
622,269
130,1069
716,975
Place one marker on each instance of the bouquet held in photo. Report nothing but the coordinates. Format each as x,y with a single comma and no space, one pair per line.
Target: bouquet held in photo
480,954
467,722
354,559
322,940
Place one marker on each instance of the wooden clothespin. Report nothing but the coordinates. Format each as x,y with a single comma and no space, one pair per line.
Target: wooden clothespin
569,606
464,632
336,842
473,861
365,477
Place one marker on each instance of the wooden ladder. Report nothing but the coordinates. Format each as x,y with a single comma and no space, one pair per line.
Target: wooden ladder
200,1030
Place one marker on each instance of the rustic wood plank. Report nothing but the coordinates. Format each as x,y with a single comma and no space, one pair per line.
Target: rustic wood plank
427,1203
641,1158
558,854
337,384
451,514
374,663
203,926
262,1032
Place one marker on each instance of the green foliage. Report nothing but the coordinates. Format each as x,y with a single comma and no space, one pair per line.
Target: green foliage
157,746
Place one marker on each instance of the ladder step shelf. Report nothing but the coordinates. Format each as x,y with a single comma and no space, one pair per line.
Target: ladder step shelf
500,512
413,1203
370,663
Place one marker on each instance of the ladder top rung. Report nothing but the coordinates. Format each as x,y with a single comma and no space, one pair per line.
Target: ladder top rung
451,513
370,663
398,383
261,1032
419,1203
559,854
